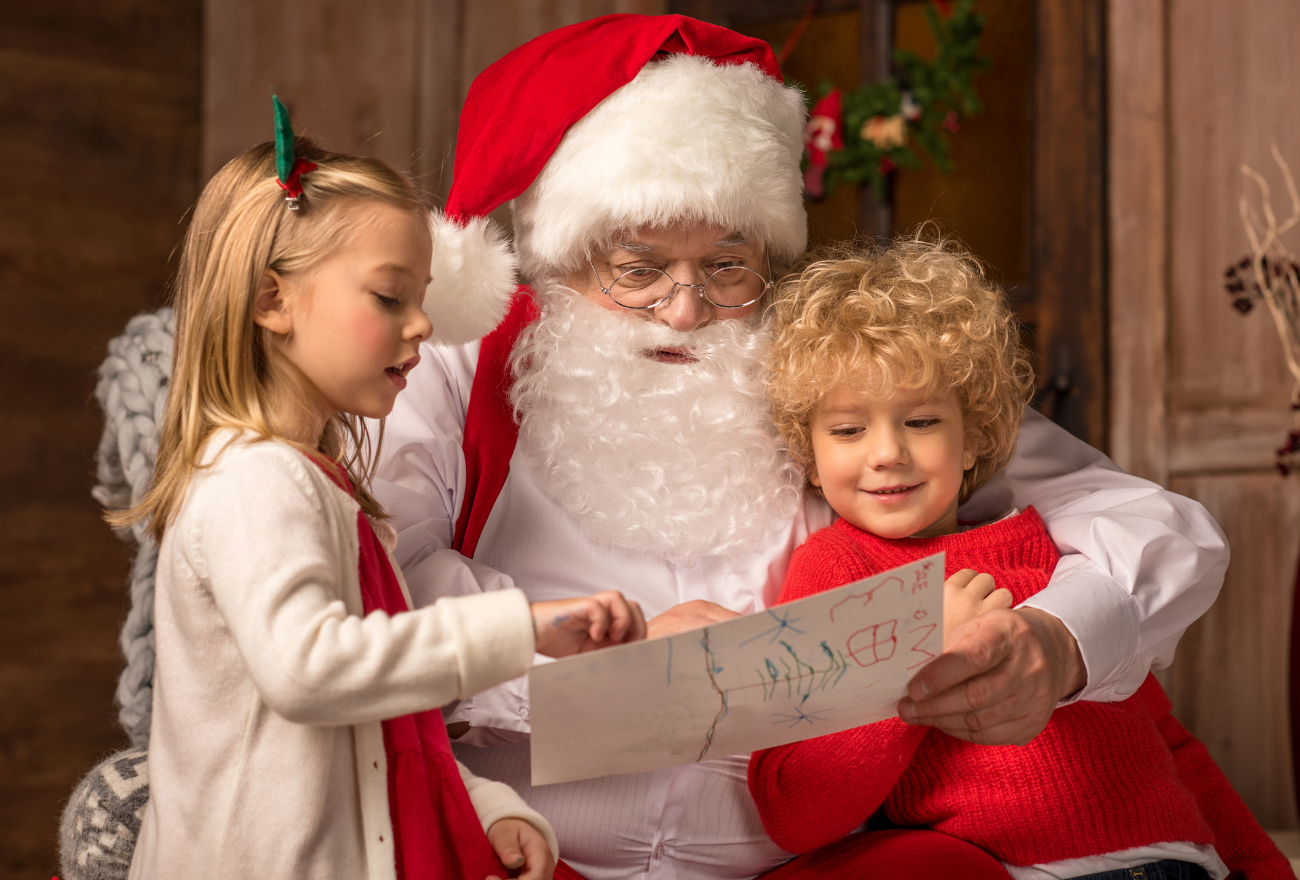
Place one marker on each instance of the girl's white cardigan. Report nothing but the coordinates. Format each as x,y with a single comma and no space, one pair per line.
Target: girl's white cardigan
266,755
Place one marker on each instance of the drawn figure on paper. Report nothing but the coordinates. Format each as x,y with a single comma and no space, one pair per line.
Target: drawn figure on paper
922,578
874,644
783,623
864,598
801,677
711,666
925,632
796,718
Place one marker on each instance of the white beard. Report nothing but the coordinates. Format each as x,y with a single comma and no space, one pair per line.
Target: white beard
675,460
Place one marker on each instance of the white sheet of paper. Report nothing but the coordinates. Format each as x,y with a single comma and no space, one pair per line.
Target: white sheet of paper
826,663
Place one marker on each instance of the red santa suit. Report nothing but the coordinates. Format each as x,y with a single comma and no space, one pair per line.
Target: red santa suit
628,121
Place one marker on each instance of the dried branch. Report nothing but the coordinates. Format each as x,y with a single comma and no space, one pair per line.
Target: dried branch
1276,281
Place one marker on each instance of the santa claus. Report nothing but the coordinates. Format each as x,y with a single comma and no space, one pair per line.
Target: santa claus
612,433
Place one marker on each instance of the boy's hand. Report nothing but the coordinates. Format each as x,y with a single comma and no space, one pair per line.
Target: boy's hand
585,623
521,847
967,595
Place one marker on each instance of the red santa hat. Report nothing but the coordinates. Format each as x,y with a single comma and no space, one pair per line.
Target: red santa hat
606,126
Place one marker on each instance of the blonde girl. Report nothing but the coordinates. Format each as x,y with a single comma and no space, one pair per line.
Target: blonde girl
291,732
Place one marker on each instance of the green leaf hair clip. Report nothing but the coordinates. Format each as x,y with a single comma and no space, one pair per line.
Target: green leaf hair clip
288,170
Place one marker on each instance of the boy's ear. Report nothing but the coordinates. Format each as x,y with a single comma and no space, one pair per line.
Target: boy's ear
967,459
812,475
269,308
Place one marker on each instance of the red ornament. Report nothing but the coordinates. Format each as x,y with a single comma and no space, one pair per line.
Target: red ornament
887,166
821,136
950,122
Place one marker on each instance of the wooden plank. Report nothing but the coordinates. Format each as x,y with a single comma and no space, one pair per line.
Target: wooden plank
986,202
1227,681
1233,79
99,141
1070,218
348,70
438,94
1226,439
1139,237
876,62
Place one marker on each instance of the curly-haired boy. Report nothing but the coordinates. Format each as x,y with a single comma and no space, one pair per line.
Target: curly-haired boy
897,376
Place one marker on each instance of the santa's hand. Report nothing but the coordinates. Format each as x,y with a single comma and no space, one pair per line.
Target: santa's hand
999,680
520,845
585,623
687,616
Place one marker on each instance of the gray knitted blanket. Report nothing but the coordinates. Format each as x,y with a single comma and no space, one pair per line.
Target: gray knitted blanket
102,819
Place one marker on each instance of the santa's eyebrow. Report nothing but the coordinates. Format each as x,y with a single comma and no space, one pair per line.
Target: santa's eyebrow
633,247
732,241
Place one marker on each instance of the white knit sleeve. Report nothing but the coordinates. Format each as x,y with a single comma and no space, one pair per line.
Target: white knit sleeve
276,562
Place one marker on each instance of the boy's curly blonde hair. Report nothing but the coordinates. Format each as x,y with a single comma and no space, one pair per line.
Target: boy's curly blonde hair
917,315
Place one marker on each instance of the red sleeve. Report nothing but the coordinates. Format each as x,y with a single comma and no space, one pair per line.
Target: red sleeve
814,792
1249,853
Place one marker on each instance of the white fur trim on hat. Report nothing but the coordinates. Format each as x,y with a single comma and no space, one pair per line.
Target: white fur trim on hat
473,278
686,140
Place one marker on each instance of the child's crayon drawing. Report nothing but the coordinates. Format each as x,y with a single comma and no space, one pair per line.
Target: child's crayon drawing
819,665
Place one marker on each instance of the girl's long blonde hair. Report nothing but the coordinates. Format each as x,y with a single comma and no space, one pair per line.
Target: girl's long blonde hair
224,366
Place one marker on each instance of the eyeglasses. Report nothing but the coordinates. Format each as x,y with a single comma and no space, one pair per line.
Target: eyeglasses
733,287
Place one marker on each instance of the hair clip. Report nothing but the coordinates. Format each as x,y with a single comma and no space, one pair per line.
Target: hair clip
288,170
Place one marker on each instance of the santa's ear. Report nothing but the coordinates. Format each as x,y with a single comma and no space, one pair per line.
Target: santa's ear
473,275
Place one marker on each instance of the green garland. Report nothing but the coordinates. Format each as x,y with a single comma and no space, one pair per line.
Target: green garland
923,99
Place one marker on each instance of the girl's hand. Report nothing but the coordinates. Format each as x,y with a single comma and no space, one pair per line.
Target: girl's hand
521,846
967,595
585,623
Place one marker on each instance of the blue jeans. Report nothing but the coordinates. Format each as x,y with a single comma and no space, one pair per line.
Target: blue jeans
1165,869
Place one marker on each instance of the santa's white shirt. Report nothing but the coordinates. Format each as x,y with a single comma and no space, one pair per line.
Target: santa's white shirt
1138,565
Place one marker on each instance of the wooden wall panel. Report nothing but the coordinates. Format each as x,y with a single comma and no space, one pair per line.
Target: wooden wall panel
1233,80
348,72
1138,190
1069,217
380,79
99,115
1196,88
1228,681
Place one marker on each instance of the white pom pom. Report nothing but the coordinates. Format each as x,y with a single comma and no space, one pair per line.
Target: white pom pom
473,278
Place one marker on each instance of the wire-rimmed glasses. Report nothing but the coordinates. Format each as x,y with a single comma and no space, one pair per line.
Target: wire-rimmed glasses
732,287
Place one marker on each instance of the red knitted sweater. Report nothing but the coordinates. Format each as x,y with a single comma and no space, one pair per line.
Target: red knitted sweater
1102,777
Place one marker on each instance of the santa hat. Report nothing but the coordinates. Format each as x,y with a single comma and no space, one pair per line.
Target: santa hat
608,125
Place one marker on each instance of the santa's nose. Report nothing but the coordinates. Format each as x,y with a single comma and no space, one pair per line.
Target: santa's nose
687,310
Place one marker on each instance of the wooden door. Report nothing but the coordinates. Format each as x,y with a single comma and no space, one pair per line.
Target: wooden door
1199,393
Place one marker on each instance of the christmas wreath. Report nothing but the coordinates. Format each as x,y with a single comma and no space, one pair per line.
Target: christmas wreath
862,136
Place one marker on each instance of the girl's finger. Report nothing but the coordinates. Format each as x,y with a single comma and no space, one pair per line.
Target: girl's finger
619,616
599,616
